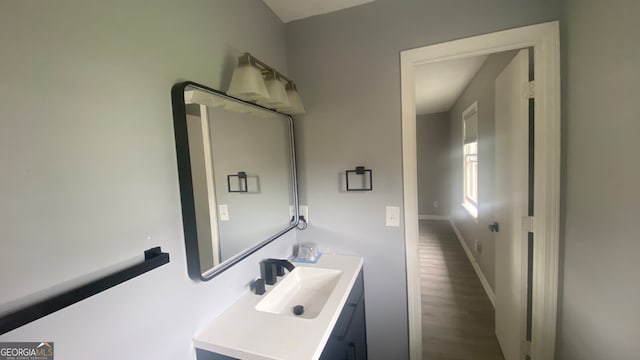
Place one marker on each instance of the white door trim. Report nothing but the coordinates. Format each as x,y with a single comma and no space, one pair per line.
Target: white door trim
545,41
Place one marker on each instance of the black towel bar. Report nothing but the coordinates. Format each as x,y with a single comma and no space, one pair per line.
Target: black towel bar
153,258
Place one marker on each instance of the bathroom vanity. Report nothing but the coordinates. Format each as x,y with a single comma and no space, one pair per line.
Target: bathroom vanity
264,327
238,187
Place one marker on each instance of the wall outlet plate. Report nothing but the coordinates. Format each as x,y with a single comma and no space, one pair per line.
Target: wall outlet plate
304,211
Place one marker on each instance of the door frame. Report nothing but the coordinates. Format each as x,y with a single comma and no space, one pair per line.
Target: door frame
545,40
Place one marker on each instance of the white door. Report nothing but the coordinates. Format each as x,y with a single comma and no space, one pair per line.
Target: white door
511,196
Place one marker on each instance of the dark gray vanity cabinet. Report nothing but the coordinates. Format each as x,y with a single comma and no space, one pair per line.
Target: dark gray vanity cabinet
348,341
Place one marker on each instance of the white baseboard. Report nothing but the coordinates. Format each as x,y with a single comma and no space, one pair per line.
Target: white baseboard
434,217
474,263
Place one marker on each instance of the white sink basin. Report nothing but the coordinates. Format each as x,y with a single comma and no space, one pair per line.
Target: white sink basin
306,286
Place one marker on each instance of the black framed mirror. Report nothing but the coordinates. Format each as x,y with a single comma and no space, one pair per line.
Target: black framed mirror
236,168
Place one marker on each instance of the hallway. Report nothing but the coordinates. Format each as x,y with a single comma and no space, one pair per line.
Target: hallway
457,315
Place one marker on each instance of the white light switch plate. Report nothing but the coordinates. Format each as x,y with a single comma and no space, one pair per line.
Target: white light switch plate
393,216
223,212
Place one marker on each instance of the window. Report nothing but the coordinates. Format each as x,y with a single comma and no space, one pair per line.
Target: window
470,159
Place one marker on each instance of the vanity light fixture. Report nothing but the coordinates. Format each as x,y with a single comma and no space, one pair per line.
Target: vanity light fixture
277,94
295,101
255,81
247,82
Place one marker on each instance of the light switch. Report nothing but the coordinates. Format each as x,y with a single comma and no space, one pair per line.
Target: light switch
393,216
223,211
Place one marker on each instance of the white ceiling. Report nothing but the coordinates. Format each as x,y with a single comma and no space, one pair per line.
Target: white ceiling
290,10
439,84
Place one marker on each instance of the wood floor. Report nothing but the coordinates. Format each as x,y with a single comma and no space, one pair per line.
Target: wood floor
457,316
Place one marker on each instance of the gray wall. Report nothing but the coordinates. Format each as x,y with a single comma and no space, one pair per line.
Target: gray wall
433,154
481,89
89,167
347,66
89,174
600,316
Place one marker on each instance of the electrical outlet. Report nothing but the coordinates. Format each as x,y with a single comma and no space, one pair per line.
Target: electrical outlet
393,216
435,204
304,211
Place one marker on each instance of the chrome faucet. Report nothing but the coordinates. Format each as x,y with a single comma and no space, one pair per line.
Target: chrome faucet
270,269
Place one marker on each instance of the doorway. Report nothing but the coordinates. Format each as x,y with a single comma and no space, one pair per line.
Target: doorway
460,127
544,41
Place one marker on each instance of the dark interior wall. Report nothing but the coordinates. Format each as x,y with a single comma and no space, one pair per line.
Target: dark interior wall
433,155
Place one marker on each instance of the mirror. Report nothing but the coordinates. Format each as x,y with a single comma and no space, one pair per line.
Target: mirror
237,176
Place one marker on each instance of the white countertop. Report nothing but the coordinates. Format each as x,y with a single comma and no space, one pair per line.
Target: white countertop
246,333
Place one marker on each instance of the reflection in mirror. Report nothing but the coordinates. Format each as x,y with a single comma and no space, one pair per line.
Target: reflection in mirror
237,177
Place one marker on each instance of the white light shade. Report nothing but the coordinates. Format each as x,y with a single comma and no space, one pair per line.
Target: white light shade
277,94
247,83
296,106
203,98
